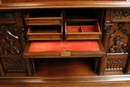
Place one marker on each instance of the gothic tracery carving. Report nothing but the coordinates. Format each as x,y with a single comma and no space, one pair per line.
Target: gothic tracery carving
9,47
8,40
6,15
119,13
120,27
107,28
119,46
14,65
115,63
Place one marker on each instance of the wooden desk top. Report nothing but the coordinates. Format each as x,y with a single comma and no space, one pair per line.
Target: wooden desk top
64,4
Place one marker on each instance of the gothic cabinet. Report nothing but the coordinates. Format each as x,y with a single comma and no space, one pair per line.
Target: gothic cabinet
12,42
116,40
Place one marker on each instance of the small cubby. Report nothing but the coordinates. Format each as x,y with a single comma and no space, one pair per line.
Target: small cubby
81,15
44,17
51,32
56,67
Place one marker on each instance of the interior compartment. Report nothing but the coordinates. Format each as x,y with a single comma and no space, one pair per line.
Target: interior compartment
44,17
44,13
82,30
65,67
81,14
53,32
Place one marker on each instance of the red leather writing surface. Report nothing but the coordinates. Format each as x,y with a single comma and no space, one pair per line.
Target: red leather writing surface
63,46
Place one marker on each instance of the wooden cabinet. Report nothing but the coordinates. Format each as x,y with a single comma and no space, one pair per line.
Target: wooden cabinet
64,38
61,34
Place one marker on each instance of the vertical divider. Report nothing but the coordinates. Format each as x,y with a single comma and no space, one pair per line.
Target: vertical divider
63,23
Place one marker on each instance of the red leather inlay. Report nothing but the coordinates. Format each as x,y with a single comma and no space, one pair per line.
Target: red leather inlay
63,46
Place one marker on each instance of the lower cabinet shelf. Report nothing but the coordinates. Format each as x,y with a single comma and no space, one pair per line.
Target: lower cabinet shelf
65,67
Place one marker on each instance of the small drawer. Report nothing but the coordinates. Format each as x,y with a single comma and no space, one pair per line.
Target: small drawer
82,32
44,17
53,32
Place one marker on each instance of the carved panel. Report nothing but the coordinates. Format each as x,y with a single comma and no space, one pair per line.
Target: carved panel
7,17
118,15
118,39
119,46
116,62
13,64
9,40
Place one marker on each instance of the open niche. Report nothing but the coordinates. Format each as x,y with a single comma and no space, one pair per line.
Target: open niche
57,34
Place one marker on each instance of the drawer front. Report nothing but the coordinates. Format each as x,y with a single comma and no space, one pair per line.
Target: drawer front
82,32
45,37
82,36
43,21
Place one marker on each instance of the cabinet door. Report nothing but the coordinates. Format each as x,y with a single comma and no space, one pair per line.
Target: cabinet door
9,41
12,42
116,38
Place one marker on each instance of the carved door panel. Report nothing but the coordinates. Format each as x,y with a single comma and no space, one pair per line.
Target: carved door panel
118,39
12,41
9,40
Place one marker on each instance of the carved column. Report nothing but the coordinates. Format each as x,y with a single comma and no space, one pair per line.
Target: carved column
106,35
29,67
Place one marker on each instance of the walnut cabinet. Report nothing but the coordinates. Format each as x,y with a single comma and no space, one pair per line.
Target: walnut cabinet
57,40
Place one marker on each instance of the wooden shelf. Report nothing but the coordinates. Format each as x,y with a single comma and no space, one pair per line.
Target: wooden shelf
52,32
65,67
44,17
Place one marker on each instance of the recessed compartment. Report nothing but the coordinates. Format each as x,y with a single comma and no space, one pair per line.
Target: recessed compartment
44,17
82,31
53,32
81,15
64,49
